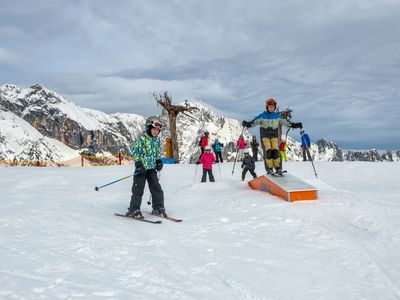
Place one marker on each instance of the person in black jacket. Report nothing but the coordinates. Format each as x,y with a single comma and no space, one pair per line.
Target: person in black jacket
254,147
248,164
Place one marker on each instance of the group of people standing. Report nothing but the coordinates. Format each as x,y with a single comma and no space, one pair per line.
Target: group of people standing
217,146
207,158
146,152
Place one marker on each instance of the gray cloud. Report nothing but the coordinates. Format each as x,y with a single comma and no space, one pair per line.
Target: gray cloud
336,64
7,57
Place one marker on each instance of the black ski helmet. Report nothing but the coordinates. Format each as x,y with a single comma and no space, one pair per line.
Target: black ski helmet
206,133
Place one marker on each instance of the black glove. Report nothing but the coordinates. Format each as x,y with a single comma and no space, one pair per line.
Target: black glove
159,164
139,168
296,125
197,162
247,124
242,166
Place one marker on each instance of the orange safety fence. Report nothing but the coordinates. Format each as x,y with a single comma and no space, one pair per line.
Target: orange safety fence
79,161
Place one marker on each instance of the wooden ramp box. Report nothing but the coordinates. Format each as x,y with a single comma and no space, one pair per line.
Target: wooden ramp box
287,187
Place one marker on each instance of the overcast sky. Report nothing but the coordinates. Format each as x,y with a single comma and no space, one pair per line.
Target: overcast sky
335,63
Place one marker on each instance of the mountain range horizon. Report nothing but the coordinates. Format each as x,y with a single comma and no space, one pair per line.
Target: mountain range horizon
55,117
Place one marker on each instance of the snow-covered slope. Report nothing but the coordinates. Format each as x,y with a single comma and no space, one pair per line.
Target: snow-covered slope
21,142
60,240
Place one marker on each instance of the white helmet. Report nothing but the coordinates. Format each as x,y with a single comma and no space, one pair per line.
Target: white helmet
154,121
207,148
246,151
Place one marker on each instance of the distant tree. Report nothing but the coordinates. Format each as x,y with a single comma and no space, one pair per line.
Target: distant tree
173,110
285,114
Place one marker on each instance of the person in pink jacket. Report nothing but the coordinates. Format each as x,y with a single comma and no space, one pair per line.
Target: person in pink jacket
207,160
241,145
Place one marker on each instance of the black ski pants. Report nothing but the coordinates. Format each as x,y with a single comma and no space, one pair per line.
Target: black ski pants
156,191
251,172
255,154
201,154
218,156
210,175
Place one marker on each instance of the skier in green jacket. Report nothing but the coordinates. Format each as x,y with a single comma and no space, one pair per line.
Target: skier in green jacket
147,157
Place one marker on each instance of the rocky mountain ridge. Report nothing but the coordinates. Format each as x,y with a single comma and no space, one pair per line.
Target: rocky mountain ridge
39,124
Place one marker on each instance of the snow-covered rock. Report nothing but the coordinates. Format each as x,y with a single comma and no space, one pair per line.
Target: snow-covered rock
58,118
190,130
20,142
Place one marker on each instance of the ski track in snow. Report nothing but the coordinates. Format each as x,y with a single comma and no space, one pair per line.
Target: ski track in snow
60,240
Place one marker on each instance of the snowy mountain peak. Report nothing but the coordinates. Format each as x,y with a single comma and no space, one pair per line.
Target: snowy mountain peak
56,118
36,94
39,92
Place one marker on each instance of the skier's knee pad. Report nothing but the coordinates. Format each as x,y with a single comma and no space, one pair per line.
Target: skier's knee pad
268,154
275,154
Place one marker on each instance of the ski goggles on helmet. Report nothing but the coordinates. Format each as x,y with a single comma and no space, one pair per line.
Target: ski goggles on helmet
157,124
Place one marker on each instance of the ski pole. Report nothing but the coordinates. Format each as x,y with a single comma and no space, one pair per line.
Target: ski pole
312,163
99,187
234,163
309,155
281,164
195,173
219,168
237,152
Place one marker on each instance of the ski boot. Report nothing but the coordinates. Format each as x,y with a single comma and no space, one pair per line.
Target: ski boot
270,171
159,212
137,214
278,172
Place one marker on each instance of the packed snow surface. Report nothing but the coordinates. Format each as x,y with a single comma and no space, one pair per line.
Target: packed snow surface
59,238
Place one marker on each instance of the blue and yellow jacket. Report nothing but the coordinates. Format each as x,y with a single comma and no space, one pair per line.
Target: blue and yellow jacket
147,149
269,123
